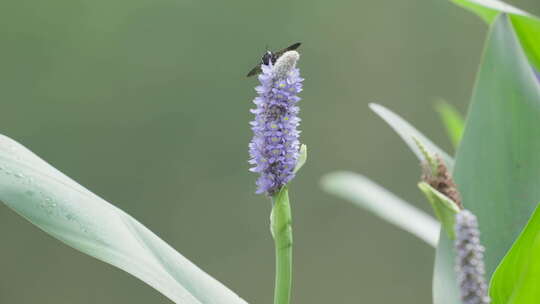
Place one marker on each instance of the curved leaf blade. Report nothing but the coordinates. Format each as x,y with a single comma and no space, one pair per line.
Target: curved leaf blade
374,198
409,133
489,9
69,212
444,208
517,278
528,30
527,26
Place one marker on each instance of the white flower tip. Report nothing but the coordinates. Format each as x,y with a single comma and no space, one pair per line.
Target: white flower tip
285,64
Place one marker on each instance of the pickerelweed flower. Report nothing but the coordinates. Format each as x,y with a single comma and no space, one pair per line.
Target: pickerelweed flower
470,260
274,149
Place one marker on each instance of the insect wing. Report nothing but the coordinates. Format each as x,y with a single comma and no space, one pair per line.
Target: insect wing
292,47
256,70
278,54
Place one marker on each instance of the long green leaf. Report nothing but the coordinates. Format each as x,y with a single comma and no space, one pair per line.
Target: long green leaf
517,278
497,167
409,134
453,121
372,197
528,31
527,26
69,212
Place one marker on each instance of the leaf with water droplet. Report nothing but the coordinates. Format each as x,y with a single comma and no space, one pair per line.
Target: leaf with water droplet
86,222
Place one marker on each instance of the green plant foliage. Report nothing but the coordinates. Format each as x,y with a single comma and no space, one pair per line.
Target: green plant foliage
445,287
497,165
527,26
517,278
444,208
410,135
69,212
453,121
489,9
366,194
528,31
301,159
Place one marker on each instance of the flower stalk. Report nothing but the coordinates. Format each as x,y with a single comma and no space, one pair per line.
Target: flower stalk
281,229
275,154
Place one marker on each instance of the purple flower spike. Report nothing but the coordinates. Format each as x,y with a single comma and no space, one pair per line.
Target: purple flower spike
275,145
470,260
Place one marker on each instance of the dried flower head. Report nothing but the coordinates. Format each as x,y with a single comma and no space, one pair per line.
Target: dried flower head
275,144
470,260
440,179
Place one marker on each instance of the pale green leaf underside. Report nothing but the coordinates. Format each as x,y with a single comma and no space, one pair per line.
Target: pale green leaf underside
452,120
408,133
69,212
444,208
517,278
372,197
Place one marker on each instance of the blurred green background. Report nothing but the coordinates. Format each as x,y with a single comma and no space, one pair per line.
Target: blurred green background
145,103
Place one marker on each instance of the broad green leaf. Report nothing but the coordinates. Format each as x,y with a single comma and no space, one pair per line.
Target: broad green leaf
408,133
301,159
444,208
497,167
489,9
528,30
453,121
69,212
517,278
527,26
372,197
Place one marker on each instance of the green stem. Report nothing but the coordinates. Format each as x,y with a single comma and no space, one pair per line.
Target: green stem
281,229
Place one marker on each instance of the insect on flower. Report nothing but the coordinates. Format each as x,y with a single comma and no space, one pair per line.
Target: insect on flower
271,57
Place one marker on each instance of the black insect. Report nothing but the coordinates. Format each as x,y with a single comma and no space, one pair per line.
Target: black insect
270,56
